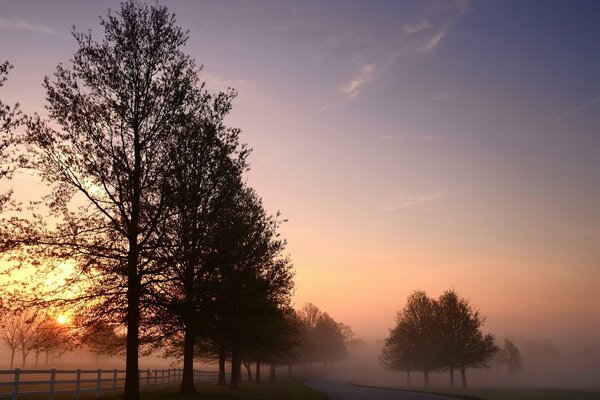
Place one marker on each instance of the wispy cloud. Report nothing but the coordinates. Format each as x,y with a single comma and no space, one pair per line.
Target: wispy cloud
440,96
401,201
417,26
577,110
411,138
248,91
17,24
433,41
364,76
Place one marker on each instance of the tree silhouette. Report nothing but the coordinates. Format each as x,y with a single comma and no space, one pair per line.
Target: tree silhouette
10,117
462,344
510,356
430,335
117,110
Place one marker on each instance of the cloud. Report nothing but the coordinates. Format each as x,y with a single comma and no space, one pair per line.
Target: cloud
402,202
579,109
411,138
440,96
365,75
17,24
415,27
433,42
248,91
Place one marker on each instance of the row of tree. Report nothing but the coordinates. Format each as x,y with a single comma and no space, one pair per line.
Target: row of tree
441,334
149,228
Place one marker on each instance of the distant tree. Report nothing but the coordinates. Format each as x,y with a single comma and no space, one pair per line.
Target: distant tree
103,340
397,353
321,338
509,355
461,343
9,335
49,337
416,333
115,113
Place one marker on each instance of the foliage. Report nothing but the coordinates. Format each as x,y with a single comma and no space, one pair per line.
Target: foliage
509,356
431,335
322,339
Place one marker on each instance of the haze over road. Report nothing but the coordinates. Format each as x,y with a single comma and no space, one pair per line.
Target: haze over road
335,390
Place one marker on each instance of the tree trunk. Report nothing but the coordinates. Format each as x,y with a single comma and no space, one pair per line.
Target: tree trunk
12,358
132,379
248,371
24,357
273,377
257,375
463,374
426,377
187,379
407,377
221,366
235,369
451,377
37,357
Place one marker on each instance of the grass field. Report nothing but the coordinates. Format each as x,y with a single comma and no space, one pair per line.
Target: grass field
210,391
509,394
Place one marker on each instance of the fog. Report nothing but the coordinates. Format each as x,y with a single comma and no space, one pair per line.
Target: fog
572,366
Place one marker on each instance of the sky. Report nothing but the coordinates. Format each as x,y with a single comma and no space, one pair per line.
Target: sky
409,144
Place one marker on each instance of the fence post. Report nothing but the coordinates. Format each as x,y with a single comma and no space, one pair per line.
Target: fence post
148,377
78,385
155,376
52,383
163,376
15,393
114,388
98,381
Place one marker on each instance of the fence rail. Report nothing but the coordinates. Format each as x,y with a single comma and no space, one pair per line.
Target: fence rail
64,381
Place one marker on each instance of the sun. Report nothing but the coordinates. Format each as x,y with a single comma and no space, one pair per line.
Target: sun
61,319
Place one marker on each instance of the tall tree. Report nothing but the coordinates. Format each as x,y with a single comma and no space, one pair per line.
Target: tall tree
208,177
115,113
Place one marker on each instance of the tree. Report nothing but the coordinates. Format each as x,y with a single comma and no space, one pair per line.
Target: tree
445,334
207,177
509,356
415,329
252,283
462,344
321,337
10,117
118,109
49,336
10,336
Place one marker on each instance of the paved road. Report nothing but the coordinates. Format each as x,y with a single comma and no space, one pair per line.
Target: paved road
335,390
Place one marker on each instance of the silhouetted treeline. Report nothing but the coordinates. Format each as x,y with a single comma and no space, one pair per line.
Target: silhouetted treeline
149,205
441,334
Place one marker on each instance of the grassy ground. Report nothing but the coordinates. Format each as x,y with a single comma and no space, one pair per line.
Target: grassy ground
511,394
247,391
208,391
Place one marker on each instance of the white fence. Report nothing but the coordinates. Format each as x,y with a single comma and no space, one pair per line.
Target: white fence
26,383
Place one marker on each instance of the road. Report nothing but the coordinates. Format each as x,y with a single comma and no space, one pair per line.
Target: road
335,390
